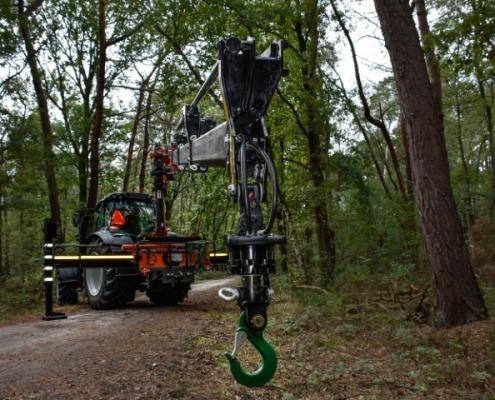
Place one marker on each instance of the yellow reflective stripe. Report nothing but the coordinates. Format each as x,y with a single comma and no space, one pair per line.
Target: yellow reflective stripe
114,257
122,257
219,254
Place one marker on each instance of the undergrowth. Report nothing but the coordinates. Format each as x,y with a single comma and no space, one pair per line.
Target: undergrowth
365,337
20,297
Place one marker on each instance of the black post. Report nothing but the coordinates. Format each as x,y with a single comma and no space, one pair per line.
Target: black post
50,234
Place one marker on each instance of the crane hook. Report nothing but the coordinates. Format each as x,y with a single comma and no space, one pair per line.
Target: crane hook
268,356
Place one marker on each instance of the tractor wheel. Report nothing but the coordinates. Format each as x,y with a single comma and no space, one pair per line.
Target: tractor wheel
103,288
168,295
66,293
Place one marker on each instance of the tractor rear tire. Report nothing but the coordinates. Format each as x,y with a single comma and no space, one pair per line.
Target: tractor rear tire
66,293
103,288
167,294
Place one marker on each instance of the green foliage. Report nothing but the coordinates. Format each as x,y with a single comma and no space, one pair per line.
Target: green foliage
21,295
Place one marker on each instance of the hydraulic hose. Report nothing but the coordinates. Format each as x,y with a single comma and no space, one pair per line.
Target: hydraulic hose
273,178
244,190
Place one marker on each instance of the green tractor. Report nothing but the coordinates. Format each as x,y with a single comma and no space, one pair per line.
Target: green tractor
122,219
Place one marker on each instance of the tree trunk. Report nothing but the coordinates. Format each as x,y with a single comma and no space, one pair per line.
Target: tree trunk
2,205
46,128
146,138
317,157
21,261
467,195
6,250
2,272
457,296
491,139
97,123
429,51
99,107
282,223
135,125
481,79
82,173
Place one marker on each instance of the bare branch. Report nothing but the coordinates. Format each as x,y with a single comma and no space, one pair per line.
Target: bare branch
352,108
132,88
366,108
294,111
296,163
9,78
112,41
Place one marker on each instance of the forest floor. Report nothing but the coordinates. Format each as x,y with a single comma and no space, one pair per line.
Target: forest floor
362,341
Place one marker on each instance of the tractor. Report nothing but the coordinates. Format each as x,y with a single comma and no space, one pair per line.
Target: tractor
124,223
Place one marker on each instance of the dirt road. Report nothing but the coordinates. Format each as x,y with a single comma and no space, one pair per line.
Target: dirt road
140,352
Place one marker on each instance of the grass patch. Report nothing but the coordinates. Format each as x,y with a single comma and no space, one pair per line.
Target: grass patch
210,275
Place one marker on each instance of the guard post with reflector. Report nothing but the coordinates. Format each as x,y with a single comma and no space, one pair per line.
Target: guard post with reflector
50,236
53,261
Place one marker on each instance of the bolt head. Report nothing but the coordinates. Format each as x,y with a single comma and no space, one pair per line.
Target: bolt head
258,321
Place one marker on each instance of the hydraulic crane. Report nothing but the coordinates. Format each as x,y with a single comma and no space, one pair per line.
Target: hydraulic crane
247,83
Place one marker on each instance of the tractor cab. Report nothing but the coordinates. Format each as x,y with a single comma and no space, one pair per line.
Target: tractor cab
122,213
132,213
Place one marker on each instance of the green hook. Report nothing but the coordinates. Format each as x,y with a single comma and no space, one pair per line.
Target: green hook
268,356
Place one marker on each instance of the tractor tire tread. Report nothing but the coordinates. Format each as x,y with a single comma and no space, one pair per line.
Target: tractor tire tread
66,293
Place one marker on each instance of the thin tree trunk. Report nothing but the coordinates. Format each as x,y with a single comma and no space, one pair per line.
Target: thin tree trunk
82,173
83,161
2,205
458,299
302,266
432,63
467,196
317,157
146,137
22,233
6,250
2,272
491,138
46,128
479,40
97,123
137,118
282,223
373,157
99,107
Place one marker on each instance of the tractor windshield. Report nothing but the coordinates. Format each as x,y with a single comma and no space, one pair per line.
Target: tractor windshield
139,215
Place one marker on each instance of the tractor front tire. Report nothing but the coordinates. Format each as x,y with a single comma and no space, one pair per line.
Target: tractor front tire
103,288
167,294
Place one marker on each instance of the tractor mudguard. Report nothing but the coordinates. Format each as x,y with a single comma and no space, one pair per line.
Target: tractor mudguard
112,239
112,242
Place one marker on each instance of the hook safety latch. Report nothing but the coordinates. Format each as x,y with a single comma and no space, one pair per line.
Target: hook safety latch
268,356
